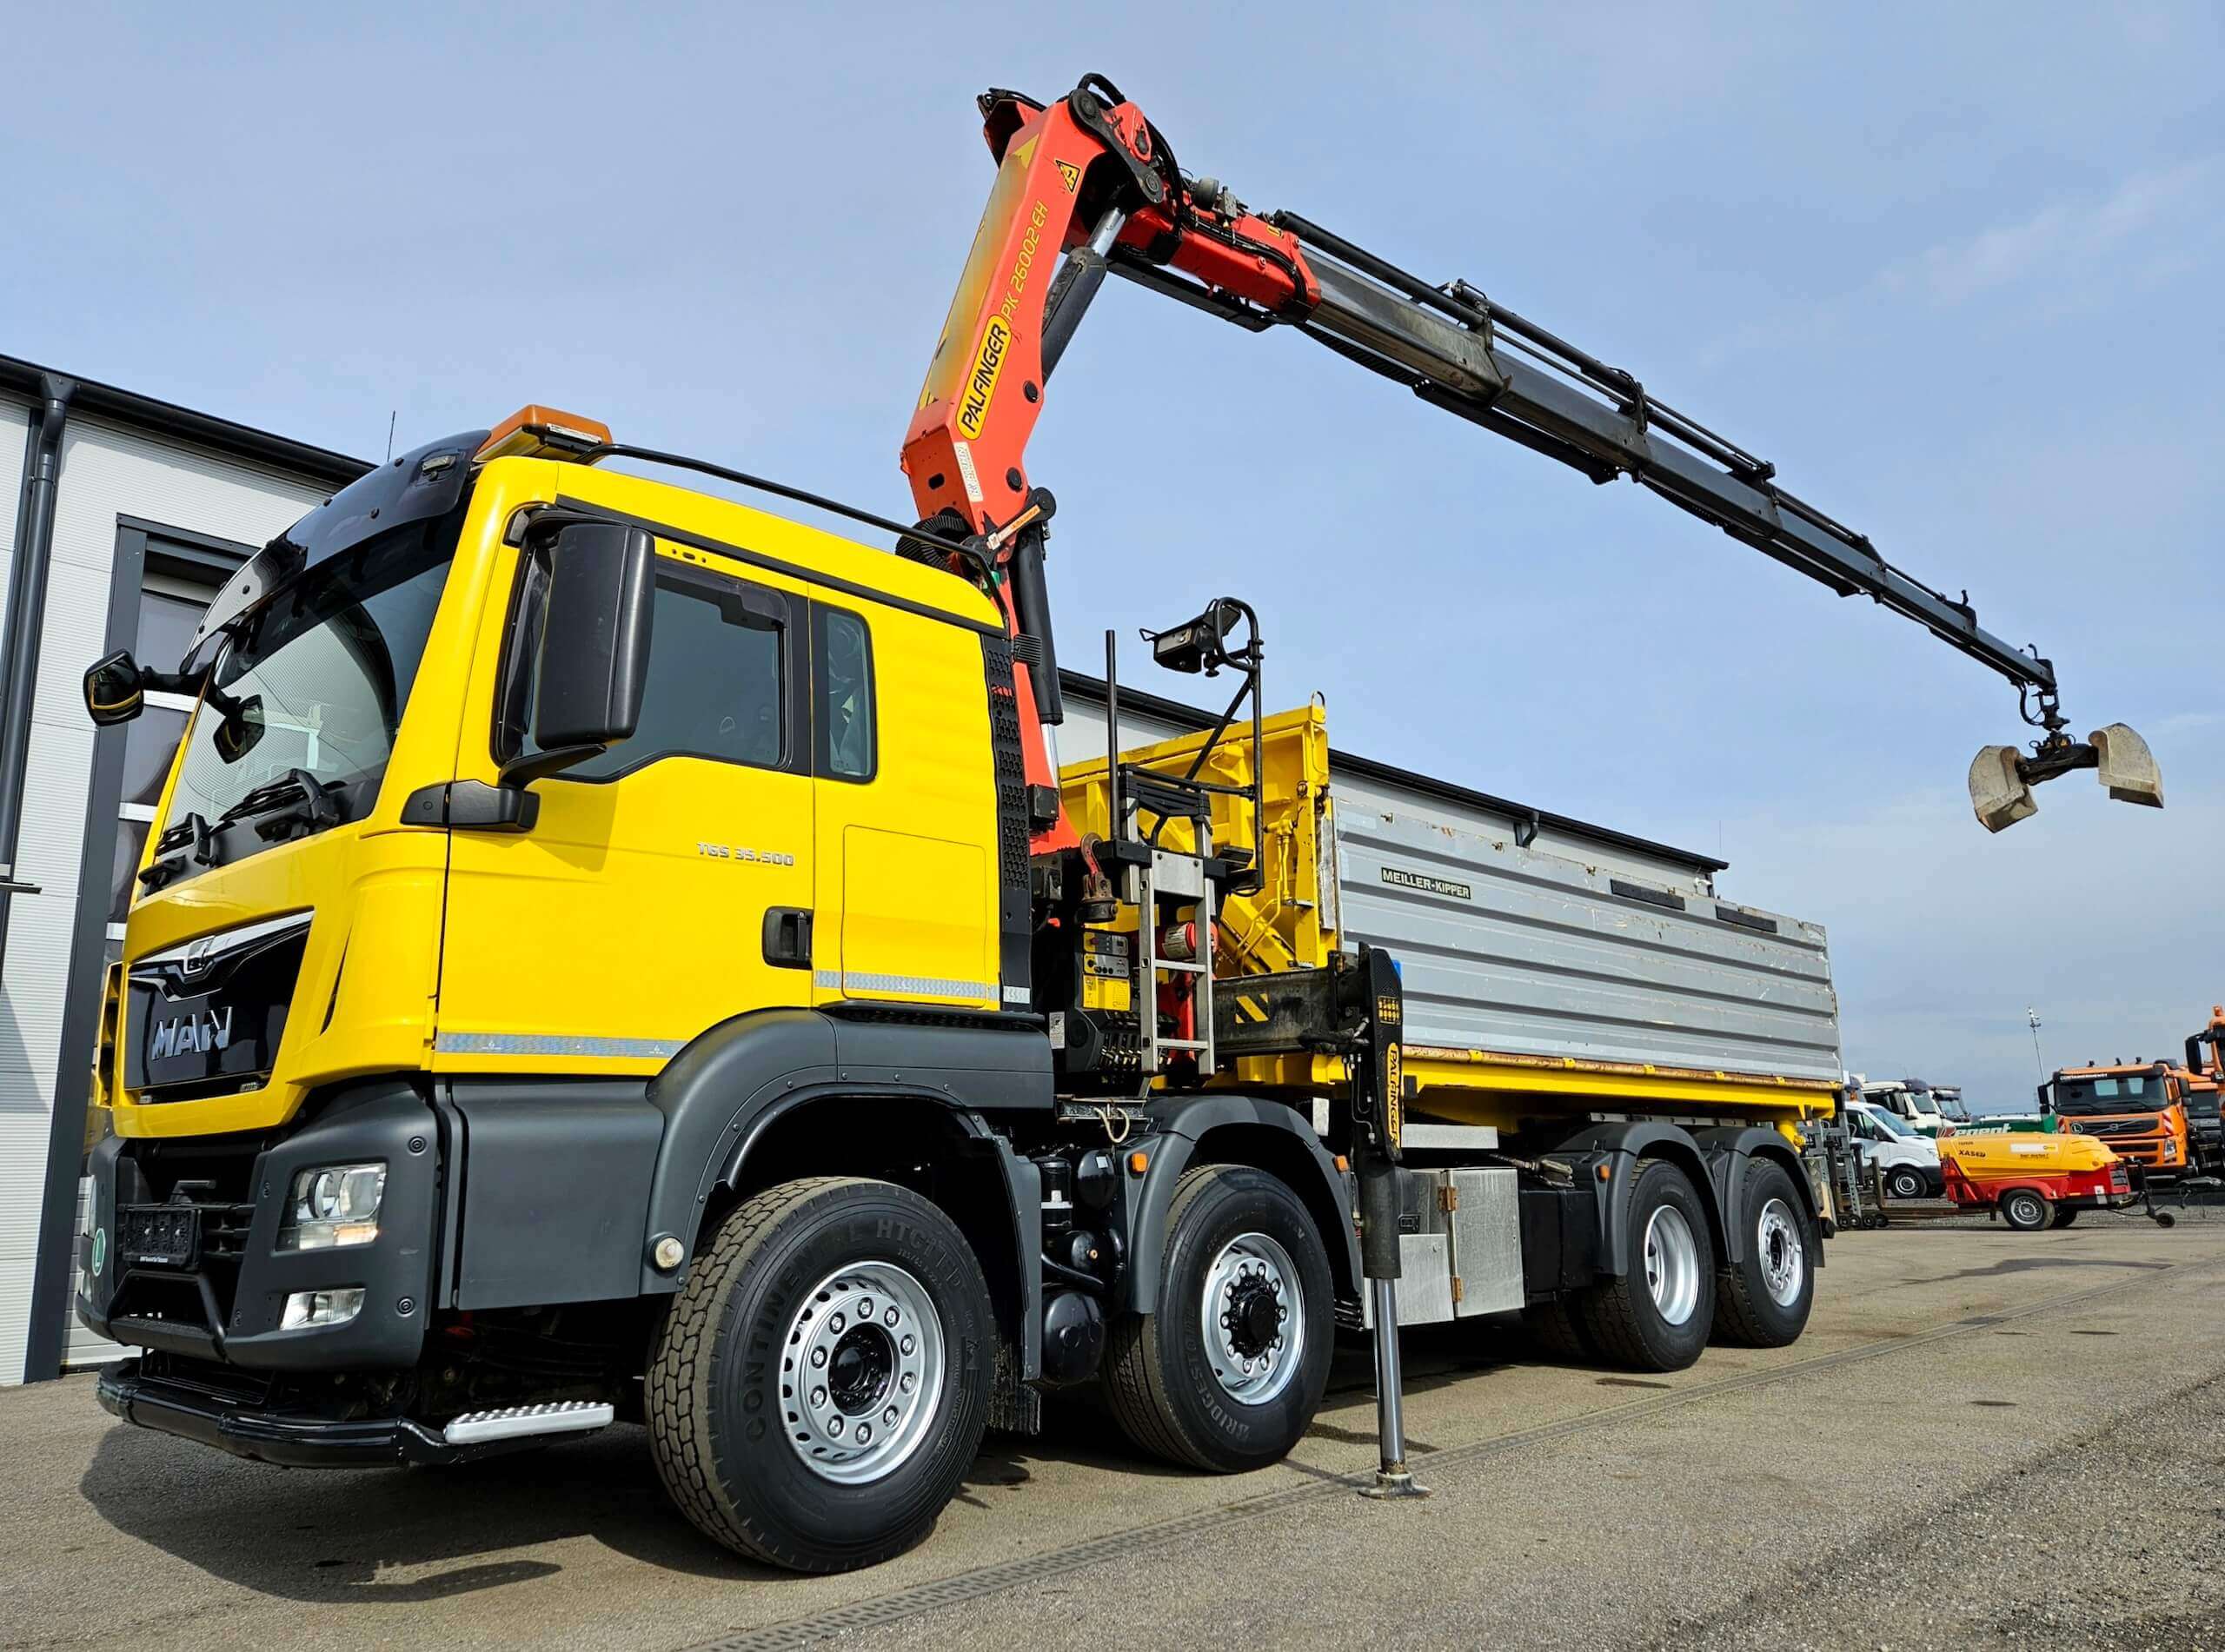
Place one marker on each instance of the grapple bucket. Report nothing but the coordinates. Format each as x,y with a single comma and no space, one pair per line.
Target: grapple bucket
1997,789
2128,767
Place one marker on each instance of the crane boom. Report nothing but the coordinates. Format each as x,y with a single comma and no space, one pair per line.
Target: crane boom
1089,177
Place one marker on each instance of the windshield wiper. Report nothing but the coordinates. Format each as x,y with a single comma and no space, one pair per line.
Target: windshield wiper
190,839
313,807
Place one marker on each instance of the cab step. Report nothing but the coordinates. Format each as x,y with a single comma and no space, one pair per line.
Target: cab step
514,1421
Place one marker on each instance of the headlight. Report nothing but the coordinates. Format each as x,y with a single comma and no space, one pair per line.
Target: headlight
334,1204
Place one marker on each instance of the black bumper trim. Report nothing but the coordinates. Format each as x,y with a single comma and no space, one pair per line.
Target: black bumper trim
293,1441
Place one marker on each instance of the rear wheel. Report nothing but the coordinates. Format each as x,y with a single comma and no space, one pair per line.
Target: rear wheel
1656,1317
817,1392
1763,1300
1227,1373
2064,1215
2026,1209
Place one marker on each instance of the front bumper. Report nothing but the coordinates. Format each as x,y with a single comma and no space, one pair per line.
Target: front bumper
228,1304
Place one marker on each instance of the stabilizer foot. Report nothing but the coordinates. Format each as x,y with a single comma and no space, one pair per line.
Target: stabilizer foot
1395,1481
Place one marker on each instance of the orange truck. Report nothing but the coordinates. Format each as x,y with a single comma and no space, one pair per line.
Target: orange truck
2138,1109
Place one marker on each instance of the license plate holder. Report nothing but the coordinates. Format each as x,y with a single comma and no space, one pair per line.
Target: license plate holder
159,1236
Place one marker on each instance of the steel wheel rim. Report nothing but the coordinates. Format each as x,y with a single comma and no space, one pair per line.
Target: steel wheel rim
1783,1252
1672,1264
2025,1208
1252,1319
861,1376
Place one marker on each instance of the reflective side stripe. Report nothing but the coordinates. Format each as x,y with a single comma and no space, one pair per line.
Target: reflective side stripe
923,986
532,1043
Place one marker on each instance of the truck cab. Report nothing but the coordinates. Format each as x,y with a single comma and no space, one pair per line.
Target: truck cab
2137,1108
1927,1109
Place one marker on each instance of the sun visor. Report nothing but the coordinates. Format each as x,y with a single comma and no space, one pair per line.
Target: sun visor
421,484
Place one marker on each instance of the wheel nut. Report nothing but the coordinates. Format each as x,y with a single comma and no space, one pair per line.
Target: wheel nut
819,1396
834,1427
836,1323
817,1357
864,1432
865,1309
906,1345
907,1381
889,1317
888,1416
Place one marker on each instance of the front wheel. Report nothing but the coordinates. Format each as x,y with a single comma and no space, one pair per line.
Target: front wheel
1227,1373
2026,1210
818,1388
1905,1182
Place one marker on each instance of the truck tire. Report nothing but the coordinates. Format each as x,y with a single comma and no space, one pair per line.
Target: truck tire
2026,1209
1657,1316
1763,1301
1226,1375
1905,1182
820,1384
1556,1329
2064,1215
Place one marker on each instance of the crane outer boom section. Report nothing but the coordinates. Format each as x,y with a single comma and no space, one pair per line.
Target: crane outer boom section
1086,186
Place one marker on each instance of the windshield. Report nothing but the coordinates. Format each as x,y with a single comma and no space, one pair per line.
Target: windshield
316,680
1888,1126
2118,1093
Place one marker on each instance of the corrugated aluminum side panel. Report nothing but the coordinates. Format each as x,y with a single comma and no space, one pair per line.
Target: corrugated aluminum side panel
1511,950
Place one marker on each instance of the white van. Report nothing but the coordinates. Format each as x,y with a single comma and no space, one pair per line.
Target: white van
1910,1162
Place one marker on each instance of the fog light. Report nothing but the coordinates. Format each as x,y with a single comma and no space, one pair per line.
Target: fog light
305,1308
332,1205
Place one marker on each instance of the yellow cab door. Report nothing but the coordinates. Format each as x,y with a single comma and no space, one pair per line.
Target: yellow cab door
664,886
906,868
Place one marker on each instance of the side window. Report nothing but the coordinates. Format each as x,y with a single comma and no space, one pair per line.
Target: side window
717,680
842,711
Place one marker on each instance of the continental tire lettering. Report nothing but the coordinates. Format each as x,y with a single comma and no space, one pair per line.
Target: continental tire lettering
981,381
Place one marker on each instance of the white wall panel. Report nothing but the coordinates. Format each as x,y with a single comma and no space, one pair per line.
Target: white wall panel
107,472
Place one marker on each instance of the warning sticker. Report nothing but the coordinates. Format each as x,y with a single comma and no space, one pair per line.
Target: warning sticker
1071,172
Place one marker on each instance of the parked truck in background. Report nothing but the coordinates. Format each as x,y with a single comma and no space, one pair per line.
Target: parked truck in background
2138,1109
610,951
1926,1108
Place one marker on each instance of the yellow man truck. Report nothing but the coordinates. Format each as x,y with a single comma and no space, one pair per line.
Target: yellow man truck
611,953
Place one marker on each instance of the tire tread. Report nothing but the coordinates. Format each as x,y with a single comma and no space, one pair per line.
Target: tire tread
1136,1384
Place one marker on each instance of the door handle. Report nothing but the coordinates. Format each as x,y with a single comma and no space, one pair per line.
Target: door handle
788,937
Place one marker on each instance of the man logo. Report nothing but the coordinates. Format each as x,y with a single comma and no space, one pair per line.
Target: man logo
189,1035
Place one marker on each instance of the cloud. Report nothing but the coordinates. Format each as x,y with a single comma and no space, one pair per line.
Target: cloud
2071,235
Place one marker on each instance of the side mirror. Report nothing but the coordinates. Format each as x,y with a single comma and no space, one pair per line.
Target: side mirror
114,690
241,728
595,644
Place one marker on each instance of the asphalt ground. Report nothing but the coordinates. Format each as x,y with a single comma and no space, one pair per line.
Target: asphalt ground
1986,1439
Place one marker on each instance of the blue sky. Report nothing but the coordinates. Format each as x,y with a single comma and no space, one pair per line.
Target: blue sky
1954,269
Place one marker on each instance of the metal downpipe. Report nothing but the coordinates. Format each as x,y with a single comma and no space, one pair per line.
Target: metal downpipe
26,619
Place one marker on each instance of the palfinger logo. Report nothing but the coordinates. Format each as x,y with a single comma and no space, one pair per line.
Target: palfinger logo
981,383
